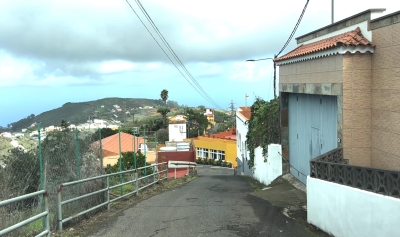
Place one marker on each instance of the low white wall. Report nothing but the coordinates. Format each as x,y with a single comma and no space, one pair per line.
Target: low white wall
266,172
344,211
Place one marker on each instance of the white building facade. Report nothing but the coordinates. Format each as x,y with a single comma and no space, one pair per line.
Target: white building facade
177,132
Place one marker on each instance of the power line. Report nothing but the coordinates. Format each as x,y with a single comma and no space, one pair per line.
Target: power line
294,30
173,52
157,31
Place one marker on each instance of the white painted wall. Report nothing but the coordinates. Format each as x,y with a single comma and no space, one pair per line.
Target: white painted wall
177,132
268,171
346,212
241,150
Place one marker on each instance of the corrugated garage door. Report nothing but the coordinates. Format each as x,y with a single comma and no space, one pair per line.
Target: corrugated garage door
312,130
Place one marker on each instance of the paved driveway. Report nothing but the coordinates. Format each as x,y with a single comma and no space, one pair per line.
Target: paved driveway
215,204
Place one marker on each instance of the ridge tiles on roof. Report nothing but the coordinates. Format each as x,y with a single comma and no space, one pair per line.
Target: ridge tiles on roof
351,38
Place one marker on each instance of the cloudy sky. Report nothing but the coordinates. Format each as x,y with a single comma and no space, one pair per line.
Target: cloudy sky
53,52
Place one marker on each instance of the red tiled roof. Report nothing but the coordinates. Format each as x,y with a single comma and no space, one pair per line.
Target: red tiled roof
246,112
230,135
351,38
110,144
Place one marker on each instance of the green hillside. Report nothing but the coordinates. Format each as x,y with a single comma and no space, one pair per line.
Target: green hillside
80,112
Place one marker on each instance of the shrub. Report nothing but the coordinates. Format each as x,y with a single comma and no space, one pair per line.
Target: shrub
218,162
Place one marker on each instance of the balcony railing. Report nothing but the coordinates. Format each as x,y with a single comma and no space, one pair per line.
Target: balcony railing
333,168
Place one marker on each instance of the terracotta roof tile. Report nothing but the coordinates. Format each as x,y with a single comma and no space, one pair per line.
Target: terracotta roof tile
110,144
245,112
351,38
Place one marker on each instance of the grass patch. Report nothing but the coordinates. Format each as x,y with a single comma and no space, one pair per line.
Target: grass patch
255,184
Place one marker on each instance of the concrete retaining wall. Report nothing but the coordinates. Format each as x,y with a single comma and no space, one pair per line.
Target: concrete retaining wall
346,212
266,172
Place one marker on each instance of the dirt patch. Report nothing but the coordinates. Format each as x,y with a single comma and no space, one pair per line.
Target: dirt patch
90,225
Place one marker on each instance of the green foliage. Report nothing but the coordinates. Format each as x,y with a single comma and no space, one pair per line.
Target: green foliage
64,124
128,163
21,175
263,126
22,123
162,136
164,96
221,117
153,123
104,132
197,122
76,113
163,111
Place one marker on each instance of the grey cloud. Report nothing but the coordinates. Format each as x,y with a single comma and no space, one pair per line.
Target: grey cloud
81,38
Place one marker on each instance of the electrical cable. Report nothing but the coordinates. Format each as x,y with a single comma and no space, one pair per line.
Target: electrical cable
173,52
205,97
294,30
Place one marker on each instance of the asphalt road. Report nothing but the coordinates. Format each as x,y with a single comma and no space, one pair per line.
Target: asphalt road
217,203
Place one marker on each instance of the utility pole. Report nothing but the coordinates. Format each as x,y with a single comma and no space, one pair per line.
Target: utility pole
232,108
332,10
274,77
245,99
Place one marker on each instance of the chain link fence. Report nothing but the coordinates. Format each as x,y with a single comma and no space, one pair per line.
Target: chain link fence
69,155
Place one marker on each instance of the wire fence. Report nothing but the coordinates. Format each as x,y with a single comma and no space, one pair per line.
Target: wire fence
68,155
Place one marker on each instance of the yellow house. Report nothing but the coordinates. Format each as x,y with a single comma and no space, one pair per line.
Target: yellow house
220,146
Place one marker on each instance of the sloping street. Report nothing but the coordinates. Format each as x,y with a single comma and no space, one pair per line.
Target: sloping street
217,203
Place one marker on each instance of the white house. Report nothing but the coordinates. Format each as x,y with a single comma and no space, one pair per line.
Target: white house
177,132
18,135
6,134
243,115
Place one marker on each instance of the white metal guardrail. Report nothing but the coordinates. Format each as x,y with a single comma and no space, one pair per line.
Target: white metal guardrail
181,164
45,213
107,189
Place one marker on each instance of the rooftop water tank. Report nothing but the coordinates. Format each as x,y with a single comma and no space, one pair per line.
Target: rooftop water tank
168,149
183,146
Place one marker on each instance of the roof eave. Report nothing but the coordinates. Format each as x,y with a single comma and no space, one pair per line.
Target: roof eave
325,53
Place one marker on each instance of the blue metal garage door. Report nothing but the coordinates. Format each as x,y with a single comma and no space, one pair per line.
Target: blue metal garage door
312,130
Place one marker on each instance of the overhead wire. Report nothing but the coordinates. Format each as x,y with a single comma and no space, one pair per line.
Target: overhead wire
196,86
294,30
173,52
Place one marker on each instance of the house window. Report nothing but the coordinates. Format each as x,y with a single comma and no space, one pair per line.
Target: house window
202,153
217,154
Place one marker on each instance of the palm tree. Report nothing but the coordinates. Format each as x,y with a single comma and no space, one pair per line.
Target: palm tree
163,111
164,96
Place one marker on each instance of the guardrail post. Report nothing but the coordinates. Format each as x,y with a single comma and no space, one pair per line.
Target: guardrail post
154,173
59,207
175,173
137,182
46,206
108,192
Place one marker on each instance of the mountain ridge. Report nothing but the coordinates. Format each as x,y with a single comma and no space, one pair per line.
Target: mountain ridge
81,112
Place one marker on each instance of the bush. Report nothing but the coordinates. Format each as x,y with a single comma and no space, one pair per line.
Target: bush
224,164
219,162
215,162
128,163
199,161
